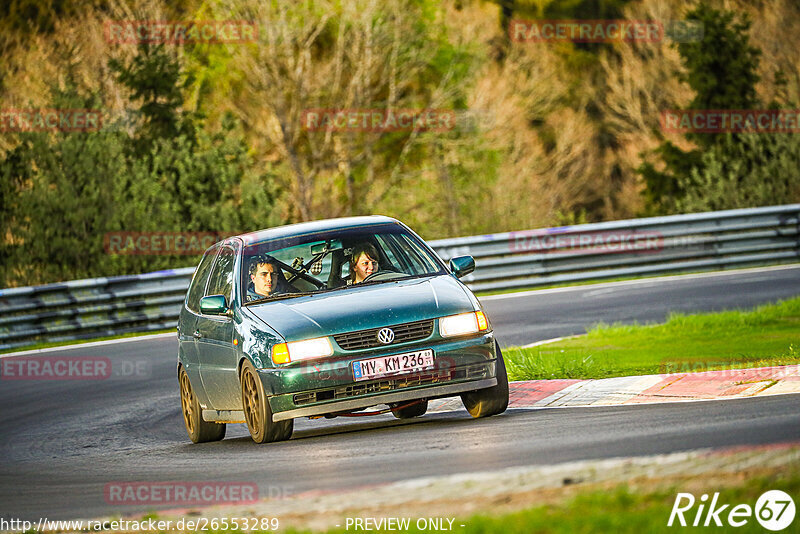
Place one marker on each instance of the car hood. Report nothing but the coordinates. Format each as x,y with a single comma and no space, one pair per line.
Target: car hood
361,308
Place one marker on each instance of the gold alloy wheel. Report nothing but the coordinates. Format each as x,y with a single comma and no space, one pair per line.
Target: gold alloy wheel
252,411
493,400
198,429
187,402
257,411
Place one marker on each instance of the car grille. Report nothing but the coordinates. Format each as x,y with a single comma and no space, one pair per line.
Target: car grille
474,372
366,339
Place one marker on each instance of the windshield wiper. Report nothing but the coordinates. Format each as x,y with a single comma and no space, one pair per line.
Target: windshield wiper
283,296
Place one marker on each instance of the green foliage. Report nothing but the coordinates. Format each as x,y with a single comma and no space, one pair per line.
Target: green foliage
666,188
563,9
721,69
583,9
63,192
154,79
35,15
744,171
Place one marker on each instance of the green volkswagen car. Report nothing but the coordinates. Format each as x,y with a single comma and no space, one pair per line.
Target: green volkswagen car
343,317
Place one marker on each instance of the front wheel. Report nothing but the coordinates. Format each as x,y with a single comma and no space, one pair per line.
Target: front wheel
489,401
199,430
257,412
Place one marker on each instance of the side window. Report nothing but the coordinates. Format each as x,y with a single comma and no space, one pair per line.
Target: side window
198,285
221,280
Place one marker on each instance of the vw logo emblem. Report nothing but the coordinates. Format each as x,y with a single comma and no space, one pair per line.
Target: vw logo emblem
385,335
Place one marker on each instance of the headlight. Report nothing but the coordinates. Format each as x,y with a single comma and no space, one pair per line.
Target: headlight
465,323
301,350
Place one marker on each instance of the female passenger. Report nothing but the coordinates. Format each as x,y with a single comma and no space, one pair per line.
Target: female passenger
363,262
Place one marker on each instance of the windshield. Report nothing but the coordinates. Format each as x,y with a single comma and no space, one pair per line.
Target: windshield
328,261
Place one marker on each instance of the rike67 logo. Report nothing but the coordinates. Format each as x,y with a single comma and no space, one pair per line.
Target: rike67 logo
774,511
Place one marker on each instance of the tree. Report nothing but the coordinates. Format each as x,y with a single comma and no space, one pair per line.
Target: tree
65,198
63,192
721,69
744,171
155,81
347,56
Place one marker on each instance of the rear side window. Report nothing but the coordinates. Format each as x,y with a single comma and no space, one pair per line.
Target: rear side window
198,285
221,280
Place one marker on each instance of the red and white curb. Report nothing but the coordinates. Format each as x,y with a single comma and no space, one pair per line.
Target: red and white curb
676,387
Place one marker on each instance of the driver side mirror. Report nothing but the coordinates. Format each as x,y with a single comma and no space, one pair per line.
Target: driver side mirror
214,305
462,265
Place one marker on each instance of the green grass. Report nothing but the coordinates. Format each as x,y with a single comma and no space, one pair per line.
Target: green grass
49,344
626,509
642,505
767,335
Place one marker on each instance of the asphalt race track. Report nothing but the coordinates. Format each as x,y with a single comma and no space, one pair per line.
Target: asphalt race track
61,442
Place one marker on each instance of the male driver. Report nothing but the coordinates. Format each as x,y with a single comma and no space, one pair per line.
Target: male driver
266,277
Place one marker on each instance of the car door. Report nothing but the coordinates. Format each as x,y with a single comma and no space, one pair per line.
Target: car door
217,354
187,323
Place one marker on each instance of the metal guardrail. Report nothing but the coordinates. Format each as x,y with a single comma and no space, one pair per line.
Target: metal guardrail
513,260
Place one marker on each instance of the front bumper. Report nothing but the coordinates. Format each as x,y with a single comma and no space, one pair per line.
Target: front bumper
328,386
424,392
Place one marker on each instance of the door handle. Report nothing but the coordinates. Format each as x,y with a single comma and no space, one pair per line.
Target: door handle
197,334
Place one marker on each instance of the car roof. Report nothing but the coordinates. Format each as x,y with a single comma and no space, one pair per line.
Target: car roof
296,229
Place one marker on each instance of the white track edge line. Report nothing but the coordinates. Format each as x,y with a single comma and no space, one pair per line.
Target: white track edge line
547,341
675,277
90,344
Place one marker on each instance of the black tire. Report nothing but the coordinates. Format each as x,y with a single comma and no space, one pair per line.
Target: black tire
257,412
199,430
415,410
489,401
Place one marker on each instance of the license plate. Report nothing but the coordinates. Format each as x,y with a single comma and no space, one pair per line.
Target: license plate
393,365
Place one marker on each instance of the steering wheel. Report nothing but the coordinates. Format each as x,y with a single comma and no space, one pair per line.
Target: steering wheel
383,273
